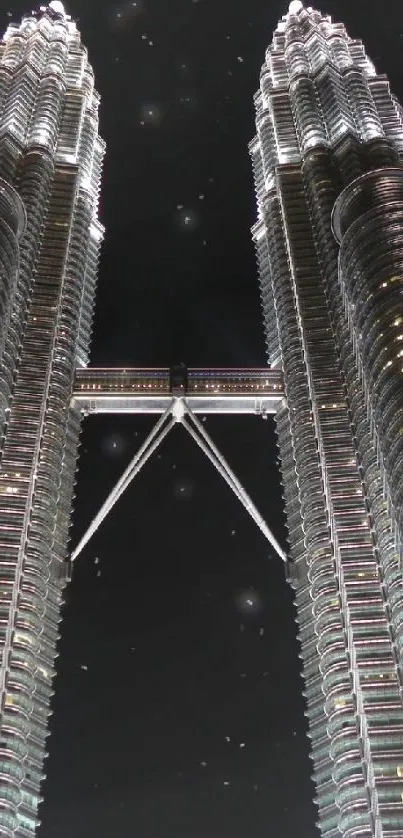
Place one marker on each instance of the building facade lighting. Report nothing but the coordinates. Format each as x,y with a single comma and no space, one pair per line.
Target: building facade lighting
330,142
49,245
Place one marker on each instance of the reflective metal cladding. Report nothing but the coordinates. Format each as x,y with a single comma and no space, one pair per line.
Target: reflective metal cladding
50,166
328,177
329,187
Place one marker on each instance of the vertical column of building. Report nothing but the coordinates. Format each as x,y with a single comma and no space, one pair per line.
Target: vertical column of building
57,175
368,223
371,586
303,487
350,638
378,650
366,596
28,167
12,225
381,151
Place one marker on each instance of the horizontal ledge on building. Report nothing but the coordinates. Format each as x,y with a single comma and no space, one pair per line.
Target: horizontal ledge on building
113,403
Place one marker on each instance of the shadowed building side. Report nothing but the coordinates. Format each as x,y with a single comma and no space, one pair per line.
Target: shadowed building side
327,122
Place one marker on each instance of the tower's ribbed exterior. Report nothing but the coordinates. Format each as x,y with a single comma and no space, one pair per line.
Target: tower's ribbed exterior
329,240
50,166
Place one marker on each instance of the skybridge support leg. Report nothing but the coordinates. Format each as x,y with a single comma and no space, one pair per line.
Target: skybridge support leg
179,411
150,444
211,451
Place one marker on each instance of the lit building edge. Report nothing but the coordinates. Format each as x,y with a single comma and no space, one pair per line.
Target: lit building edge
326,161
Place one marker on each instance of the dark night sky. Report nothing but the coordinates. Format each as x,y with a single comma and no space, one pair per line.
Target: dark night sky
158,664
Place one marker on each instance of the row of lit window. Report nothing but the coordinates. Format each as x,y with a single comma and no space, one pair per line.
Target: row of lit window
231,373
227,387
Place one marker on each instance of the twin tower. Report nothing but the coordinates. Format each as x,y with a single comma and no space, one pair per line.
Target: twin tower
327,163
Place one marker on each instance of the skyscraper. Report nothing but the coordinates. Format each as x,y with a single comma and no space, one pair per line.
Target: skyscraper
50,165
329,186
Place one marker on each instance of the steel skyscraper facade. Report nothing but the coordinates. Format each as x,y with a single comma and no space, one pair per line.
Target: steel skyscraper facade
50,166
329,185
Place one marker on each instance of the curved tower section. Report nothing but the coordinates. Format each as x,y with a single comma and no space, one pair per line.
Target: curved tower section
328,180
50,167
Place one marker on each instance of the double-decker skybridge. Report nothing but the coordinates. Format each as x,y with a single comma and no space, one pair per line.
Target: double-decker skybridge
178,395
